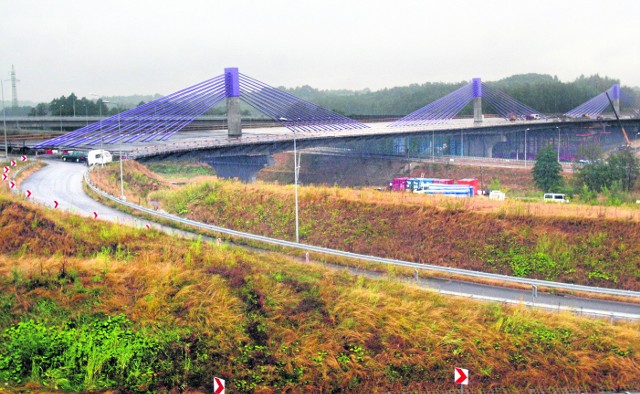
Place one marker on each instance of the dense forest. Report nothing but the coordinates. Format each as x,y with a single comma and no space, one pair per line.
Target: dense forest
545,93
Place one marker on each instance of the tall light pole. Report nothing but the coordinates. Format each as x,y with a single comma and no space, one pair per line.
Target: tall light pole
433,147
86,114
121,171
101,136
296,171
61,106
558,143
4,122
122,197
525,147
295,177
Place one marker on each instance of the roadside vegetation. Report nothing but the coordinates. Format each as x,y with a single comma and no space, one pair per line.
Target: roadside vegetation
506,238
93,306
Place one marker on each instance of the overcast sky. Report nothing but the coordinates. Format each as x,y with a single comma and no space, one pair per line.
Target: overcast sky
123,47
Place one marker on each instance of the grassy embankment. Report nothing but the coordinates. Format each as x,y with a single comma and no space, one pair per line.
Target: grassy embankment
347,171
89,305
509,238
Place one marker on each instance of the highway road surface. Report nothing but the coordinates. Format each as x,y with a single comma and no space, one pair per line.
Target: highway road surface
62,182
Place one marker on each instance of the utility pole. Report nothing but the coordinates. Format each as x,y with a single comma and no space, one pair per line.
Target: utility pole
4,122
14,88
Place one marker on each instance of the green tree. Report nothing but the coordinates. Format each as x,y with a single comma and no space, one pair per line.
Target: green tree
624,168
41,109
620,172
596,176
546,171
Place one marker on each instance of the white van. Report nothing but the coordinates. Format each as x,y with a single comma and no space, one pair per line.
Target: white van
555,197
497,195
98,156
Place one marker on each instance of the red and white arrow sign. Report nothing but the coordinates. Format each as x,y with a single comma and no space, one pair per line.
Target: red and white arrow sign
13,163
147,226
23,158
95,215
5,177
12,184
461,376
55,204
6,169
28,193
218,386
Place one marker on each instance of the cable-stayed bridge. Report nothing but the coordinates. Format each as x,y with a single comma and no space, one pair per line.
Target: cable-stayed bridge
160,128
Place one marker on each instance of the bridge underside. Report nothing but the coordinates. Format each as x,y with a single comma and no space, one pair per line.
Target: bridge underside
467,141
245,156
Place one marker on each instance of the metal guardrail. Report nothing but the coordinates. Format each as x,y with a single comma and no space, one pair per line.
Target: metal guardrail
22,168
334,252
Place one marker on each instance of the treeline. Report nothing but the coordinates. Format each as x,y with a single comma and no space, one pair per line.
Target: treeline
73,106
545,93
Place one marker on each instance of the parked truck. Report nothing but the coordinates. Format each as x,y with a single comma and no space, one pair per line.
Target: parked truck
447,190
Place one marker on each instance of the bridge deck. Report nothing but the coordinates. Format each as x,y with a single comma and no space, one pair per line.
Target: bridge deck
186,141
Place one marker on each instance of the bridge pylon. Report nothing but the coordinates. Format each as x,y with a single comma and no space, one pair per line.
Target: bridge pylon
232,90
615,97
477,100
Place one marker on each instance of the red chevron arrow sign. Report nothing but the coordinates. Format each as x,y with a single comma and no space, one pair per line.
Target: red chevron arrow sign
461,376
218,386
13,163
95,215
28,193
23,158
4,177
12,184
6,169
56,204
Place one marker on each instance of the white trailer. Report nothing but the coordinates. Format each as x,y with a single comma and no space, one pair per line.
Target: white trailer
98,156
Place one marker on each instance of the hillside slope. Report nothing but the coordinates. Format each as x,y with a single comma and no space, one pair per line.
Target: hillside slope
136,310
598,249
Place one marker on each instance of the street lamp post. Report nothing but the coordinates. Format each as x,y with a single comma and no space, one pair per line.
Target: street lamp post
433,147
121,177
61,106
525,147
558,143
101,136
121,171
295,176
4,122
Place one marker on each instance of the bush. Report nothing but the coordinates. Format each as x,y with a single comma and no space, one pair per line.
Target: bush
103,353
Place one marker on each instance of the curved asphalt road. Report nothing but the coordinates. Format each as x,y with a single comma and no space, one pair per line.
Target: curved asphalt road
62,182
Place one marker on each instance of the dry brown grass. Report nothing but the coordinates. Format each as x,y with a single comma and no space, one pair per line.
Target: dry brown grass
266,320
587,245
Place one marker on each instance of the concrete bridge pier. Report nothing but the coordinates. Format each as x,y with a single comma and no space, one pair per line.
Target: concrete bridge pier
482,146
232,86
